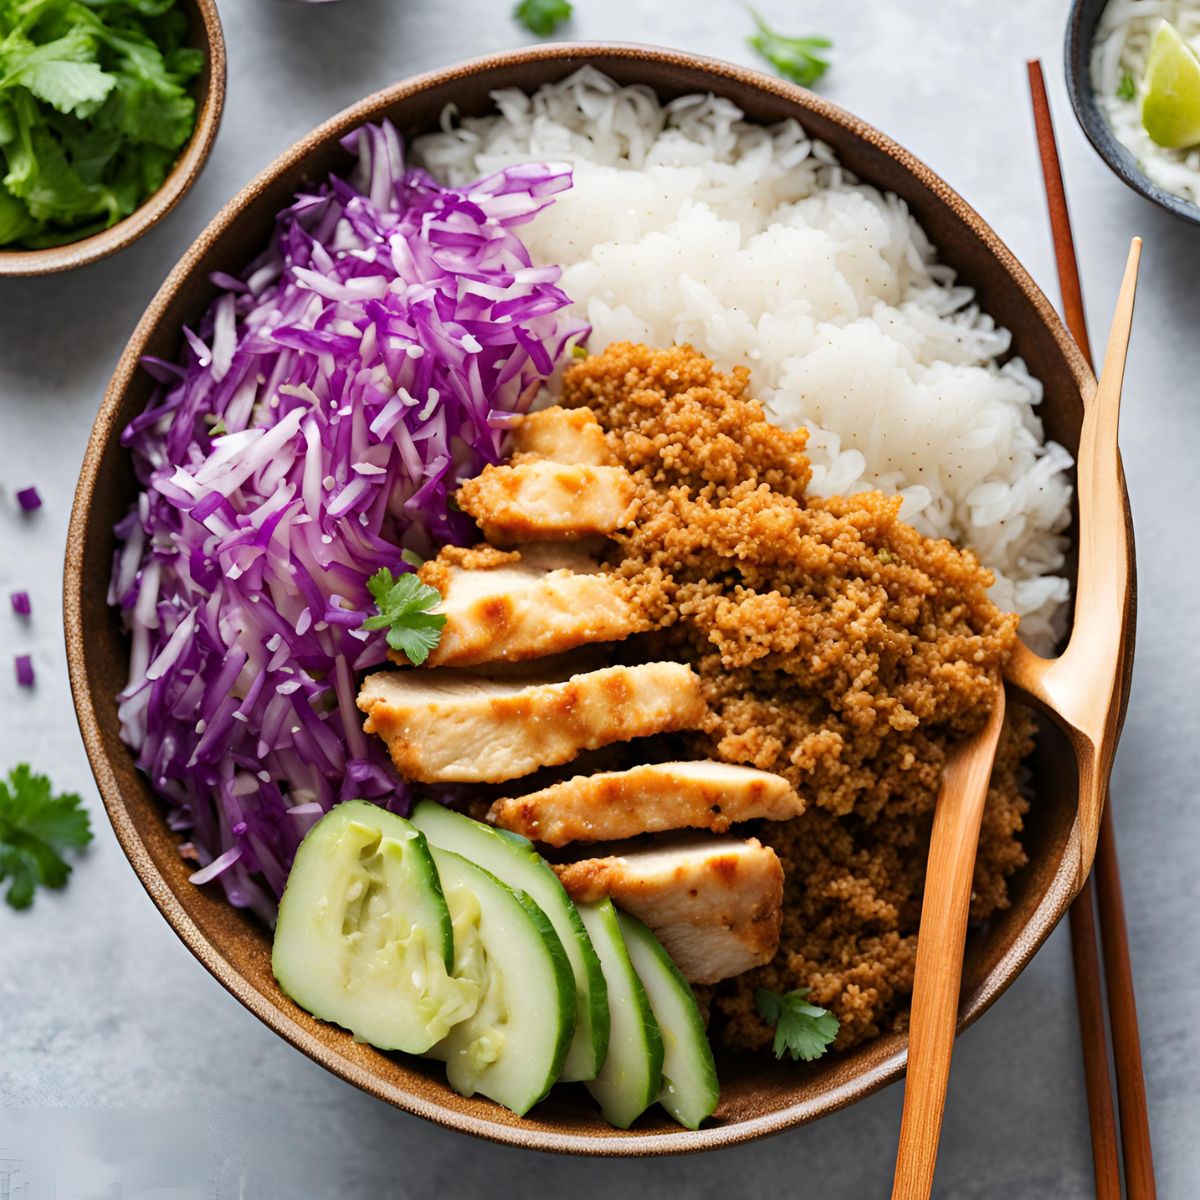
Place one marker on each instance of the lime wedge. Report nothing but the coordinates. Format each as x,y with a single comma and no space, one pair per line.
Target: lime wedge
1171,108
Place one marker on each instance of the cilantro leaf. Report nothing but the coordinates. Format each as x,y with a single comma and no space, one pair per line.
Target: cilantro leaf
542,17
15,221
36,826
796,58
62,72
801,1029
1126,89
95,105
404,606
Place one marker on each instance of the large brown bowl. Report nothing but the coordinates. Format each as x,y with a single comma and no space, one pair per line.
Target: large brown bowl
209,92
758,1096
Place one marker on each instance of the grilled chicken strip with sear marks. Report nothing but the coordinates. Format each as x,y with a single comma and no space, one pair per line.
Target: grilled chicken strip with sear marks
715,903
509,607
539,500
612,805
565,435
464,727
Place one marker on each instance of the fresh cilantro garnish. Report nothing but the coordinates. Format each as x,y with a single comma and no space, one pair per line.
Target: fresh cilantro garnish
94,108
542,17
35,828
411,557
801,1029
404,606
796,58
1126,89
218,429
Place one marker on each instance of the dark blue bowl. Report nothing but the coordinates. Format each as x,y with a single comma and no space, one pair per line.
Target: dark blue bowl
1081,31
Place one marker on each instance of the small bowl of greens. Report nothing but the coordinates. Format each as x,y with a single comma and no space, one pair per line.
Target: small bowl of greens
108,111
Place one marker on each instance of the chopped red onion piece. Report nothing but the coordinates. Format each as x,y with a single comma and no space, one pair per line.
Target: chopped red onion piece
25,673
21,604
29,499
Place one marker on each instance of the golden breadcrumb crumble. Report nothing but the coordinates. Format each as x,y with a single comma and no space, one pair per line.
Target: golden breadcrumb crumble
838,647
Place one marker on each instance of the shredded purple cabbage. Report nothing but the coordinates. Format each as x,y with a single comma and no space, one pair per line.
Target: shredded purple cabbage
29,499
24,668
320,419
21,604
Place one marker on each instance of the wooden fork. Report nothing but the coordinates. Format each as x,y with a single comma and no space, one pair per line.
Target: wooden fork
1080,691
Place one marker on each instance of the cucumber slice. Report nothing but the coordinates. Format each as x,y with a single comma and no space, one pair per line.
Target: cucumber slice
514,861
689,1087
631,1078
364,937
512,1047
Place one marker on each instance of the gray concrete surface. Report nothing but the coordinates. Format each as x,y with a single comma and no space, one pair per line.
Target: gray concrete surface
101,1007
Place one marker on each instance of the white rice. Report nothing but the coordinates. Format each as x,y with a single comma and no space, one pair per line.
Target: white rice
688,224
1122,44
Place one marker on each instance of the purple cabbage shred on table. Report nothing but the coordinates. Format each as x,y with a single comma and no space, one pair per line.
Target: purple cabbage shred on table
315,429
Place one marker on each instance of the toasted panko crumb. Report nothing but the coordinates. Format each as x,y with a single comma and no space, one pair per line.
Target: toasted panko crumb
838,647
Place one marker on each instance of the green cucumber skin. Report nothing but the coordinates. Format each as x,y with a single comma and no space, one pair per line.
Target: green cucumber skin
388,824
589,1044
699,1101
586,1055
564,980
601,921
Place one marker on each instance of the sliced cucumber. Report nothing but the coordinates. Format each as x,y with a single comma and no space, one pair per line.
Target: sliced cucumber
513,860
689,1087
364,937
631,1078
512,1047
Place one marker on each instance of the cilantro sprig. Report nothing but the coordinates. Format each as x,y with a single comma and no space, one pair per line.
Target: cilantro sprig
542,17
94,108
1127,88
801,1029
404,606
799,59
36,827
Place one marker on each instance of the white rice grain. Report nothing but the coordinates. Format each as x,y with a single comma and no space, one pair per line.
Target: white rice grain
688,224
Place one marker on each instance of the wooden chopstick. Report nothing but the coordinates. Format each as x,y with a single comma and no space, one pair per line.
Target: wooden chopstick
1122,1015
1085,958
1118,972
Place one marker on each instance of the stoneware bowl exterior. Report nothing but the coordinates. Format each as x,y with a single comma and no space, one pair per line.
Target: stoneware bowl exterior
1081,33
209,92
758,1095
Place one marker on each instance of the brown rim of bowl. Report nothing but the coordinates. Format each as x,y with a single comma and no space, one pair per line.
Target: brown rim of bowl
187,168
1053,903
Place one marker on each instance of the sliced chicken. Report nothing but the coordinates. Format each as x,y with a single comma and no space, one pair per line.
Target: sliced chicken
648,799
465,727
715,903
539,500
511,607
565,435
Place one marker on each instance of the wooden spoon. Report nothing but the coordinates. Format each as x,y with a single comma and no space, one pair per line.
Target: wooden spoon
1079,691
